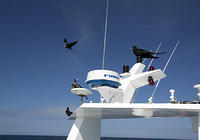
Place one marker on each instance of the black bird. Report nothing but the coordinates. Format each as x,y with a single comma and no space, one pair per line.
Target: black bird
69,45
141,53
68,112
75,85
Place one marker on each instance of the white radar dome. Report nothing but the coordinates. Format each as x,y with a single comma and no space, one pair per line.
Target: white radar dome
97,78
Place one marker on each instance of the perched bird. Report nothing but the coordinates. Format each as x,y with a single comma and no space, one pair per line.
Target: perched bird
68,112
141,53
75,85
69,45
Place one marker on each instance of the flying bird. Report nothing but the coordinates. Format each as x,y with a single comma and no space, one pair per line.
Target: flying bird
69,45
141,53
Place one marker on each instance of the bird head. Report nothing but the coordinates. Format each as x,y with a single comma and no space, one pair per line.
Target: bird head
133,48
75,80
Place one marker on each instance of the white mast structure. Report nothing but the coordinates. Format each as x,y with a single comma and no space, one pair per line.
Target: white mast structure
147,68
118,90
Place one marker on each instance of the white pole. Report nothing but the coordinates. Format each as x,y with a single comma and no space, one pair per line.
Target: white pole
104,43
154,55
165,68
105,35
171,56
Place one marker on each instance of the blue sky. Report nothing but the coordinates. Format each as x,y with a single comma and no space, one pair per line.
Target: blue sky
36,71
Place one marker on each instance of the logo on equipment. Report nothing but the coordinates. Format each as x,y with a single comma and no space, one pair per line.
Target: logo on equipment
111,76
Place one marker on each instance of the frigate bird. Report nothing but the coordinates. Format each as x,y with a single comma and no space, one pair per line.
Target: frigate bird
141,53
68,112
75,85
69,45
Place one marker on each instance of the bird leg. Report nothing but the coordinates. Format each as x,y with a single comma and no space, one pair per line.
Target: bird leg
139,59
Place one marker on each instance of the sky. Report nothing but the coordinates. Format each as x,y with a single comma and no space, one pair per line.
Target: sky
36,71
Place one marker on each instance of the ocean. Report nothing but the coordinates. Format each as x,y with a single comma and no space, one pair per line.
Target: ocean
25,137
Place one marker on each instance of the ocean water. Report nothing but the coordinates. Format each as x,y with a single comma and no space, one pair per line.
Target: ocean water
22,137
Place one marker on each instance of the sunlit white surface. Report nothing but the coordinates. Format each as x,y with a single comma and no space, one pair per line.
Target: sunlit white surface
136,110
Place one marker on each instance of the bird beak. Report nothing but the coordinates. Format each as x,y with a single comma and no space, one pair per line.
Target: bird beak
131,49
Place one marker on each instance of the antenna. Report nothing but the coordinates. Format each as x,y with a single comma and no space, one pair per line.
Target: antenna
154,55
104,42
151,98
105,35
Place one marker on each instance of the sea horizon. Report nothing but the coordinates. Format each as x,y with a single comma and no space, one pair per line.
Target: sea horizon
53,137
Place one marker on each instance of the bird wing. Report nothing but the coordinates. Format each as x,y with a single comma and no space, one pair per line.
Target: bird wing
150,56
73,43
144,51
154,57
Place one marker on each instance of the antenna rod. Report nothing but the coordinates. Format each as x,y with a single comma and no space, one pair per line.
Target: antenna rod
154,55
164,69
171,56
104,43
105,34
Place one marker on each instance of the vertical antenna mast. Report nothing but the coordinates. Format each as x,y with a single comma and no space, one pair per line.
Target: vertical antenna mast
105,33
151,98
104,42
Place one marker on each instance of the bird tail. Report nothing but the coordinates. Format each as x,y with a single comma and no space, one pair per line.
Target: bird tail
160,53
155,57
